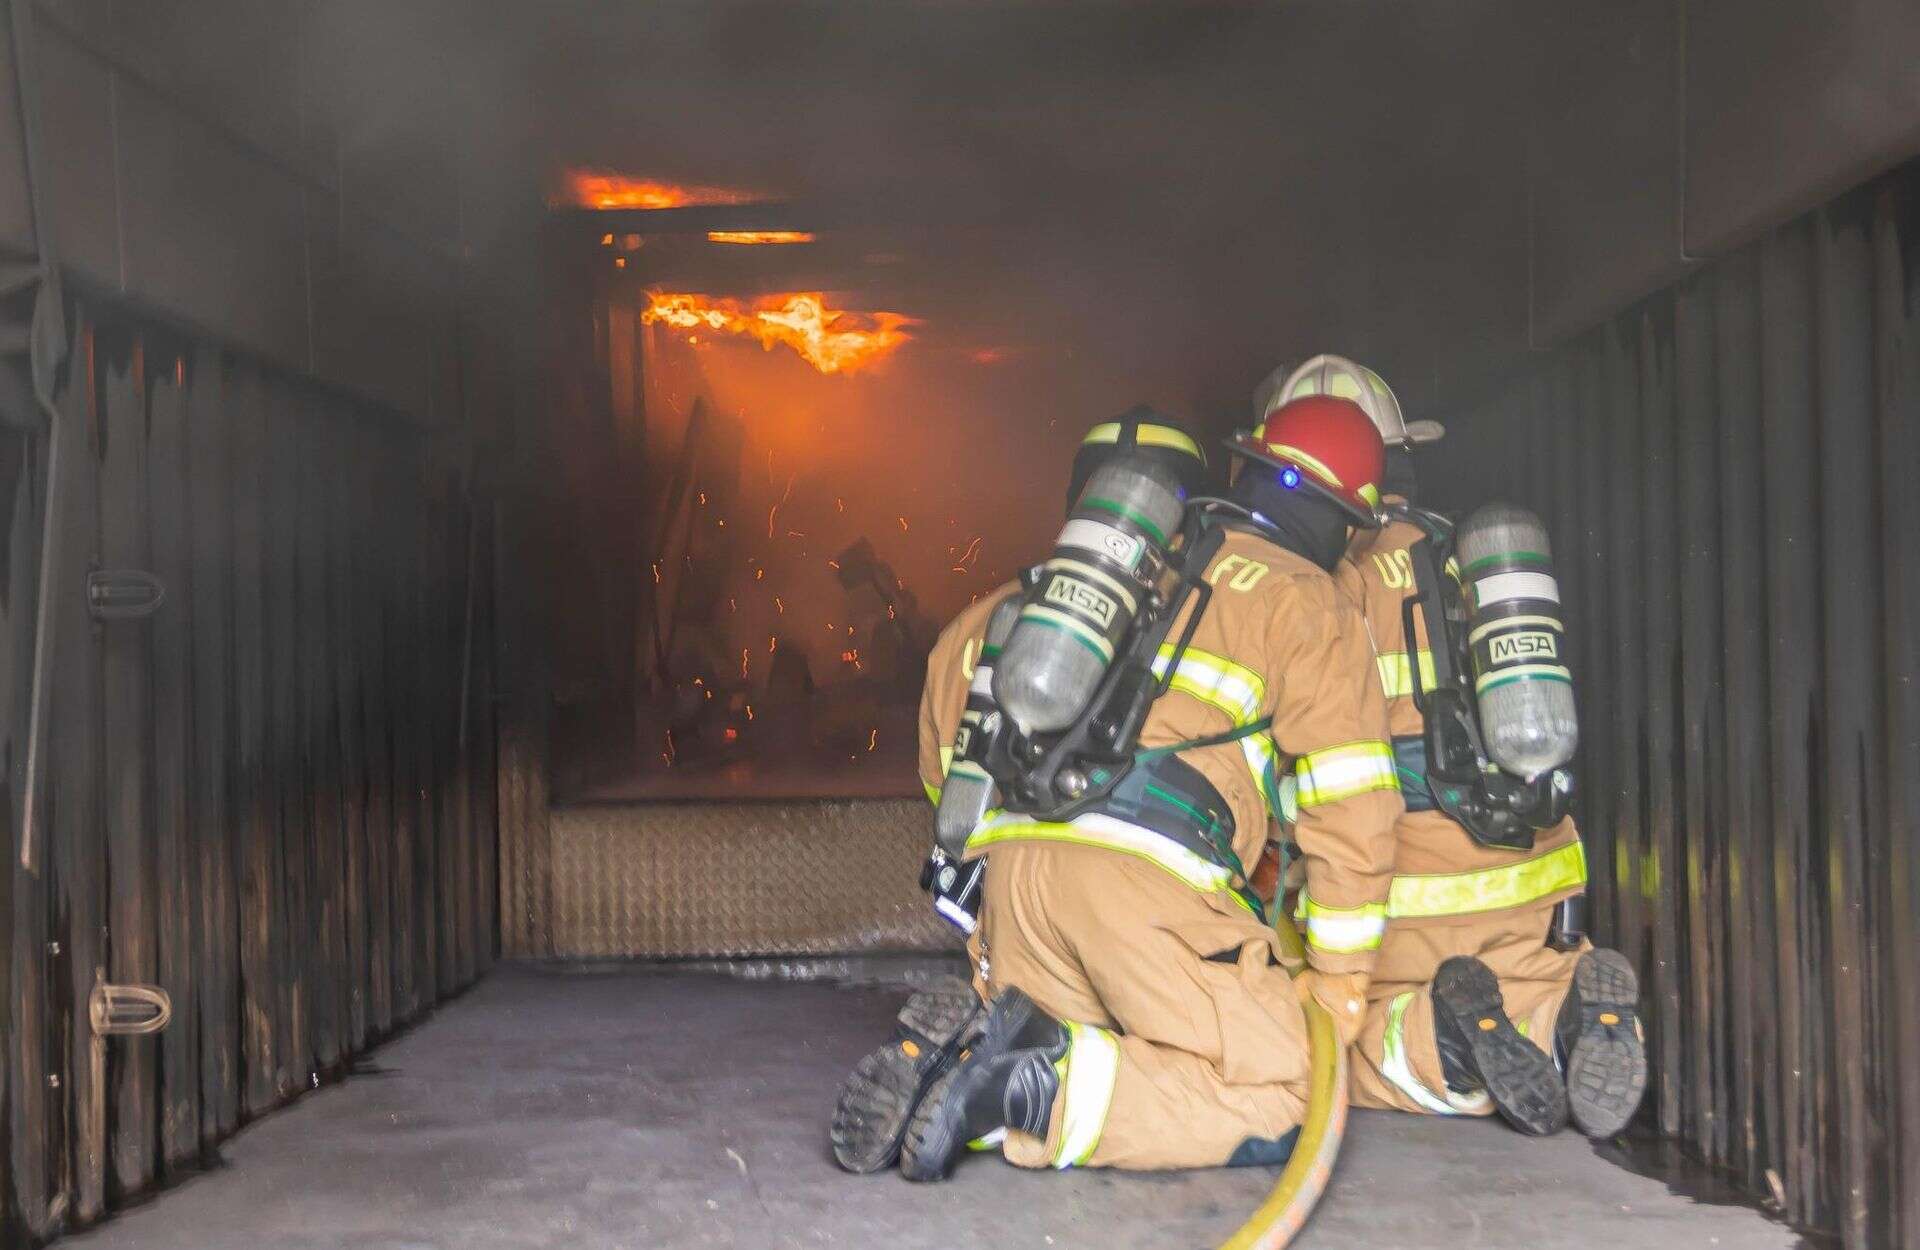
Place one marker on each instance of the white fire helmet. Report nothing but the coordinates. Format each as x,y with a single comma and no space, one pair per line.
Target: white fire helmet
1343,379
1266,396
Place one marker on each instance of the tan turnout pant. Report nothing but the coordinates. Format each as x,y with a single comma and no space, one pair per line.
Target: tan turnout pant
1395,1062
1212,1051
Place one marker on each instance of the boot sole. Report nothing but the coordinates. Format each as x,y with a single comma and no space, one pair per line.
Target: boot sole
888,1084
935,1137
1519,1076
1607,1069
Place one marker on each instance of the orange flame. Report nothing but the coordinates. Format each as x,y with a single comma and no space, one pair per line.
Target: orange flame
599,188
759,236
831,340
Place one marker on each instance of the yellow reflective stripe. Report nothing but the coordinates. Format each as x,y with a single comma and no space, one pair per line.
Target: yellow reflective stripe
1431,895
1146,435
946,760
1213,679
1395,1066
1316,467
933,792
1344,930
1396,674
1164,436
1108,833
1490,889
1341,772
1235,690
1086,1092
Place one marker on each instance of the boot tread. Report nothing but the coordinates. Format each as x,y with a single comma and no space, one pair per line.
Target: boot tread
1607,1066
1517,1075
887,1084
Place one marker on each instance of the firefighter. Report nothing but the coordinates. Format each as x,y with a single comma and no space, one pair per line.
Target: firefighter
1140,1016
1471,1008
888,1083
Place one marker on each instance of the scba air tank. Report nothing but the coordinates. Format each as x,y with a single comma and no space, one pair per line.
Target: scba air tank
968,793
1521,680
1088,594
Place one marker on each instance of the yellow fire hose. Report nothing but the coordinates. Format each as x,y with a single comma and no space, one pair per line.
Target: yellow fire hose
1284,1213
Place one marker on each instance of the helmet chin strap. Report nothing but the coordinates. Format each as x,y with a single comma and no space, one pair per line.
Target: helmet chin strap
1399,478
1302,521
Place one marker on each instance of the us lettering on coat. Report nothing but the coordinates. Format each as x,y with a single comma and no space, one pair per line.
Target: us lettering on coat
1249,575
1396,568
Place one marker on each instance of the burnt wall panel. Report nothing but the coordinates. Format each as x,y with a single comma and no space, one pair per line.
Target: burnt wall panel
1896,327
176,855
125,665
211,790
220,802
1741,605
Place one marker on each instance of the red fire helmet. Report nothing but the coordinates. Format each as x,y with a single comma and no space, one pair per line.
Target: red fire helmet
1326,444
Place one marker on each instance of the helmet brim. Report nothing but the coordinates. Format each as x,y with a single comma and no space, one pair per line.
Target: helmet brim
1425,431
1253,449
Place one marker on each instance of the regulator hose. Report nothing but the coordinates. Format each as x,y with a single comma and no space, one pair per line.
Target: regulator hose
1284,1213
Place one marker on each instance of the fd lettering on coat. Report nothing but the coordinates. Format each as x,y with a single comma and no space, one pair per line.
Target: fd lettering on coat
1249,574
1072,593
1530,645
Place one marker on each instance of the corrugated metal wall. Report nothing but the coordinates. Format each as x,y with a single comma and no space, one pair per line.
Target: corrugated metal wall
273,798
1728,472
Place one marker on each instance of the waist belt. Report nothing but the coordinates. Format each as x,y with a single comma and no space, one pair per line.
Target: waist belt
1164,810
1410,766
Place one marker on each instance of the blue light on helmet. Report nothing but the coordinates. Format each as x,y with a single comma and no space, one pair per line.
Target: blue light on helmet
1289,477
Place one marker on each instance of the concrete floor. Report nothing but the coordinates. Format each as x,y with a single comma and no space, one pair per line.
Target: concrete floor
636,1108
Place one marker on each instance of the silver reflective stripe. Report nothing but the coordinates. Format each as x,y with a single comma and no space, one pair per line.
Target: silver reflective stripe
1116,544
1235,690
1346,931
1086,1091
1395,1067
1110,832
1504,586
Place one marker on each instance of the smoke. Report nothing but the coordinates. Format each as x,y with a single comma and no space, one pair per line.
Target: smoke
1176,194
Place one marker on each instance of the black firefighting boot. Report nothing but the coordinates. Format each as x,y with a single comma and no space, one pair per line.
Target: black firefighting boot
1481,1050
1601,1044
1006,1080
888,1084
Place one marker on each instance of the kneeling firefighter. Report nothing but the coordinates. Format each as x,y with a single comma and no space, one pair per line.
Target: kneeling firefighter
888,1083
1486,995
1141,1017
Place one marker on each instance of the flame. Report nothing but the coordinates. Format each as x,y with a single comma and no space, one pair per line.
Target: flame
759,236
600,188
831,340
